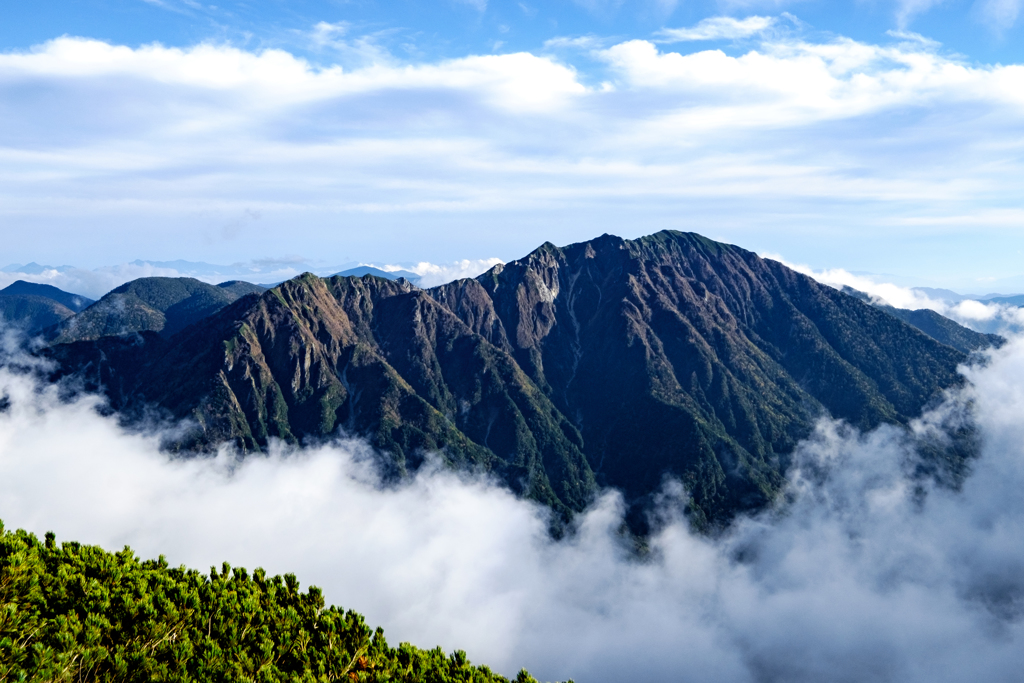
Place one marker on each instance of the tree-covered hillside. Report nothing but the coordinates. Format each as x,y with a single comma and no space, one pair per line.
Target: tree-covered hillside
609,362
73,612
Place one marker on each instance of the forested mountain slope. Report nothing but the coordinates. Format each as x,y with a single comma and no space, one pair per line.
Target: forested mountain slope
32,313
34,307
676,354
936,326
608,362
73,302
165,305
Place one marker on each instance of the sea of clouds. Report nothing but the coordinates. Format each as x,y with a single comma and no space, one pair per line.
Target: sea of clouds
863,574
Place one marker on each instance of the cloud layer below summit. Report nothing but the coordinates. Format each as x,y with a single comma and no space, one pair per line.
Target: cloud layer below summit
862,576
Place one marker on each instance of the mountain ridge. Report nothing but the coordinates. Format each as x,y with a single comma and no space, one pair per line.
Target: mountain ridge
159,304
609,362
36,307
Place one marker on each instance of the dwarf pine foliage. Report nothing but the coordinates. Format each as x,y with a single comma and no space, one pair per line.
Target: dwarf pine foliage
75,613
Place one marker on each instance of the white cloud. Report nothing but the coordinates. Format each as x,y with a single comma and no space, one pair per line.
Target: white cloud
325,32
791,83
432,274
356,51
1000,14
578,42
911,37
906,10
717,28
858,575
275,78
169,145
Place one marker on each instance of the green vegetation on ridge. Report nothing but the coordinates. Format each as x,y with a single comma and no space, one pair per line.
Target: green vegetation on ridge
34,307
165,305
73,612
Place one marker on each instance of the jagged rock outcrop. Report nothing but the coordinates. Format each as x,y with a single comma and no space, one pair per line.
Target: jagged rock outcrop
373,357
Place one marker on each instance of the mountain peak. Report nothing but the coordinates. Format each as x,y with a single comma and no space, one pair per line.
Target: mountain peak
165,305
611,361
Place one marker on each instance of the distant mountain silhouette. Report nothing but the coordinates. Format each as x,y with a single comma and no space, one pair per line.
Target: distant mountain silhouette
360,271
1015,300
609,362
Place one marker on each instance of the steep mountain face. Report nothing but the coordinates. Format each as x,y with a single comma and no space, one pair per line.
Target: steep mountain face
613,362
674,354
371,356
160,304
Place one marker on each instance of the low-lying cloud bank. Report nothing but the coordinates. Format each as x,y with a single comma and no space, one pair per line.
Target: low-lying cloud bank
864,575
433,274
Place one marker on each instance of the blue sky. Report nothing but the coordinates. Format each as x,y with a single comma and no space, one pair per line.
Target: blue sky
875,136
424,29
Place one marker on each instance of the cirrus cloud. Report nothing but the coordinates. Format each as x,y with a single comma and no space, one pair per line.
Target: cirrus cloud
717,28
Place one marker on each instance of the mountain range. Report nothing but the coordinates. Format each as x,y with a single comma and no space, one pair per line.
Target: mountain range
610,362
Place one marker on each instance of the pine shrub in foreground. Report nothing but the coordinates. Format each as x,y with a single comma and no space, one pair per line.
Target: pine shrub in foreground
76,613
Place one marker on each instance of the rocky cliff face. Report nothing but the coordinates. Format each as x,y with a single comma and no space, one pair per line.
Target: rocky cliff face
367,356
609,362
676,354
